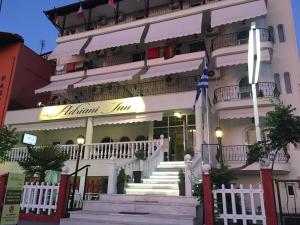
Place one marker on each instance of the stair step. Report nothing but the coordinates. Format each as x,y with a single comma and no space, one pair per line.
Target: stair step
167,173
160,181
140,198
171,166
160,177
130,218
145,191
97,222
172,163
140,207
153,186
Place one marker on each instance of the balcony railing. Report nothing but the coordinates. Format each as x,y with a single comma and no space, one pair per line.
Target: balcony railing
163,85
238,38
236,92
119,150
130,17
231,154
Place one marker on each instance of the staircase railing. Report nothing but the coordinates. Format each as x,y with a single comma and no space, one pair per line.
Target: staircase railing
155,156
152,162
193,173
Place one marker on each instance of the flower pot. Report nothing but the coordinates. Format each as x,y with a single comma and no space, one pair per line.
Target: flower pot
181,187
120,188
137,176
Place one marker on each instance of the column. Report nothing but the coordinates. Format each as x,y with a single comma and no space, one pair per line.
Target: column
150,131
269,195
63,194
188,175
88,136
199,125
207,193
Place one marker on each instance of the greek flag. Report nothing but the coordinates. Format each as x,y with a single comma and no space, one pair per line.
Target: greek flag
202,84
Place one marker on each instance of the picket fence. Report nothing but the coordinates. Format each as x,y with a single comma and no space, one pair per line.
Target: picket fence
243,204
39,198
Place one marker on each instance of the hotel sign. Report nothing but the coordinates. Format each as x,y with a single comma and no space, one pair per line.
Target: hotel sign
89,109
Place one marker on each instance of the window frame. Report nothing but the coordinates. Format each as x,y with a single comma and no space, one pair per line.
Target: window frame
281,33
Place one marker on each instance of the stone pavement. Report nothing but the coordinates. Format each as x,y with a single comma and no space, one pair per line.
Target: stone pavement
35,223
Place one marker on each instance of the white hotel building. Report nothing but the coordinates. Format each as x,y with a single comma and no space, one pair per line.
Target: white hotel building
118,84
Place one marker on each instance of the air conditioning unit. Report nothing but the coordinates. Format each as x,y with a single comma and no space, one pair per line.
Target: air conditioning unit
212,31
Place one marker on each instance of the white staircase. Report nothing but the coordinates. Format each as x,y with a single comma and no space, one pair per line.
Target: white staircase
163,181
135,210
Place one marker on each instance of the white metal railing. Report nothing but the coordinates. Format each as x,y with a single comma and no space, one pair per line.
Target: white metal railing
152,162
39,198
119,150
245,204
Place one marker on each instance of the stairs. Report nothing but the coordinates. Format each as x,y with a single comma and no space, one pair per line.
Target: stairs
153,202
163,181
135,210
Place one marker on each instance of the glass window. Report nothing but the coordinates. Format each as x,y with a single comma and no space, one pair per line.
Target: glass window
250,137
271,33
277,81
160,131
197,46
287,82
175,121
191,119
163,123
281,33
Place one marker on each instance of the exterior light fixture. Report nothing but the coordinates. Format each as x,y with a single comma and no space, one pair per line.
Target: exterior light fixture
80,140
219,135
254,57
178,114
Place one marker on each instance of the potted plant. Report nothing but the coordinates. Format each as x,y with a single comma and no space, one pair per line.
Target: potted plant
181,183
121,180
137,175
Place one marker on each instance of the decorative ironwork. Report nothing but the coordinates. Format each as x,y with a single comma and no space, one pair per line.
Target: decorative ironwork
236,92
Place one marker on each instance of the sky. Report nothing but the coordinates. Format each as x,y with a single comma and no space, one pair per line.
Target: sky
26,18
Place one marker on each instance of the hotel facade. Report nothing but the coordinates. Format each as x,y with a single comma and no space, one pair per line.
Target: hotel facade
126,78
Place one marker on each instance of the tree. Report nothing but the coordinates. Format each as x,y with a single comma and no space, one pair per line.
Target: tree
282,128
8,139
42,159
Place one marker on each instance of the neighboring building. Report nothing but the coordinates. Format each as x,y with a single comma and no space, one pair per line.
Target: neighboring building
127,74
22,71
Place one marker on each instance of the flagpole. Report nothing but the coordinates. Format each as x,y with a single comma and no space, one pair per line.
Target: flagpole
207,123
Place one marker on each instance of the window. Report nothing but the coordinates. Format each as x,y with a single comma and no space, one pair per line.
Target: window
271,33
287,82
290,190
281,34
277,81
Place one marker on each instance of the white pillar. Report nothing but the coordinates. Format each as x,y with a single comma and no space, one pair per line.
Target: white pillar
112,178
199,125
88,135
188,175
150,131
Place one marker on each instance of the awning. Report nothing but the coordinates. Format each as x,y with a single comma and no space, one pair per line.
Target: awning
240,58
238,13
172,68
107,78
57,85
243,113
179,27
137,118
51,125
68,48
115,39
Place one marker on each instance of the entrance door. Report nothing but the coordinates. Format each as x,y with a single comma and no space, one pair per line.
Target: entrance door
176,144
288,201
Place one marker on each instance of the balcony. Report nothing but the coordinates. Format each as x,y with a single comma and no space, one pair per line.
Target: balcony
139,13
240,97
236,156
96,151
162,85
231,49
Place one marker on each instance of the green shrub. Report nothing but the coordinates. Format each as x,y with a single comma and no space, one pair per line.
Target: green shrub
181,183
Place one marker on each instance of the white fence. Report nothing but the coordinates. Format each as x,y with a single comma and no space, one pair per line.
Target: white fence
39,198
120,150
240,204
